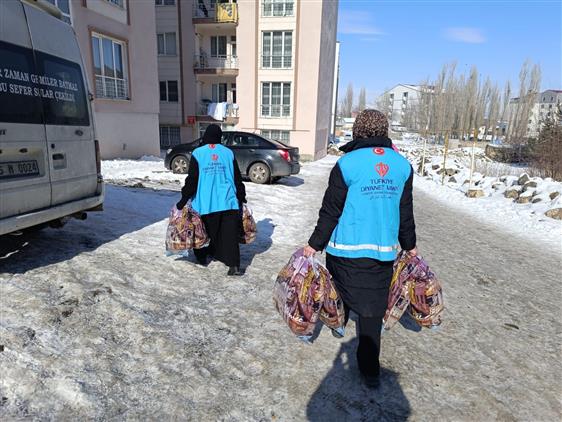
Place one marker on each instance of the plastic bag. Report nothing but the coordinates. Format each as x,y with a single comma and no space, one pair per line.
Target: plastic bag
249,225
414,288
185,231
303,293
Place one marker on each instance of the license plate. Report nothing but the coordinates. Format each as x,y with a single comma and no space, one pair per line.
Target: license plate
14,169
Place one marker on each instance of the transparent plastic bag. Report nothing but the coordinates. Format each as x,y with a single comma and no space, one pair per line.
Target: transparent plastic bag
303,293
249,225
186,231
414,288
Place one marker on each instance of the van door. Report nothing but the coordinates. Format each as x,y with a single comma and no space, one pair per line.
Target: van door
68,122
24,165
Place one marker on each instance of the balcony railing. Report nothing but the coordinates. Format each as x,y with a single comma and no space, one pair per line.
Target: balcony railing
114,88
276,62
217,12
275,110
214,110
204,61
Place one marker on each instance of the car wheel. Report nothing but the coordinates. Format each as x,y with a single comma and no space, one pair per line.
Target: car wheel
180,164
259,173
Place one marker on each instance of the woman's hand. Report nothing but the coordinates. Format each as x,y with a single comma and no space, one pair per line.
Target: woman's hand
309,251
413,252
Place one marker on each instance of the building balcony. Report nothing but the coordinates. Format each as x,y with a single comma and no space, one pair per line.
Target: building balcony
203,64
206,12
207,111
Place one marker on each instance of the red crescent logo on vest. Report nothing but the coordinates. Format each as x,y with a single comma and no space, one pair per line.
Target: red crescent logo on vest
214,157
212,146
378,151
382,169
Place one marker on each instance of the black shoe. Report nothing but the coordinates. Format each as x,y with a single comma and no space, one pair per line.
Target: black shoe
235,271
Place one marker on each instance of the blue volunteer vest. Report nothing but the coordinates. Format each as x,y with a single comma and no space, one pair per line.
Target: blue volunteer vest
368,226
216,190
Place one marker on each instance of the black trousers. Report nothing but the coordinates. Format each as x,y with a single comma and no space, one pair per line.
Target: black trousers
223,229
363,284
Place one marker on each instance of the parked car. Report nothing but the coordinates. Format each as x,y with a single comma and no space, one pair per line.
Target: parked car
261,160
49,159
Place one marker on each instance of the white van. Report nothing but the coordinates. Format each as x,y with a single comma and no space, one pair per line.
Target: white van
49,158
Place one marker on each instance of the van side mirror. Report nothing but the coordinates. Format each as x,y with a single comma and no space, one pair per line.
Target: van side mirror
90,96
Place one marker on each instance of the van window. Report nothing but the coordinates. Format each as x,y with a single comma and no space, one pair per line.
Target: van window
18,104
45,90
64,96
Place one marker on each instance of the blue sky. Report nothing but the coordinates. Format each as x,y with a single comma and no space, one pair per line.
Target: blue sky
384,43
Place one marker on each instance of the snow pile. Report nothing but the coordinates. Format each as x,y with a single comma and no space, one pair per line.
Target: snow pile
149,170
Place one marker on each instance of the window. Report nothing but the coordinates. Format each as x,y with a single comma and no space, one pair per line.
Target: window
165,2
109,61
277,8
64,6
233,90
169,91
169,136
166,44
392,96
219,93
276,135
277,48
233,46
276,99
118,3
218,46
405,95
242,140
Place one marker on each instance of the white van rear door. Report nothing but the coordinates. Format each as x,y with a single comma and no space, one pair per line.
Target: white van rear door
68,120
24,166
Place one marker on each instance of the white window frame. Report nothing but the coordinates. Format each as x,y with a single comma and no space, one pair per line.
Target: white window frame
167,100
286,60
165,35
64,14
272,3
104,79
117,3
268,133
215,40
282,106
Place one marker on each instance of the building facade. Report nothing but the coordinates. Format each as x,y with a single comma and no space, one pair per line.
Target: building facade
396,101
545,107
118,43
264,66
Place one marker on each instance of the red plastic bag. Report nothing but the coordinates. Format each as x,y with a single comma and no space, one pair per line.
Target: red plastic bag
249,225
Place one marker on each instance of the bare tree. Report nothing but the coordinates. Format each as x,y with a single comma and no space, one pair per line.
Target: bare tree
347,102
529,85
494,110
384,104
362,104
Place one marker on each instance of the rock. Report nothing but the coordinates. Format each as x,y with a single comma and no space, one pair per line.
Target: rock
475,193
138,185
523,200
536,199
452,180
529,184
435,166
512,192
554,195
524,178
555,213
451,172
497,185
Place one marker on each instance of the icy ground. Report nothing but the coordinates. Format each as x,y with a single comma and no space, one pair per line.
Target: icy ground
96,323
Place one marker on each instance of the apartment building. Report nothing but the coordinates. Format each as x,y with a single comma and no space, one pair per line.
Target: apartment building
118,43
544,108
264,66
397,100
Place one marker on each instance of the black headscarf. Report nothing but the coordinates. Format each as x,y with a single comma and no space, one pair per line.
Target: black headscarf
213,135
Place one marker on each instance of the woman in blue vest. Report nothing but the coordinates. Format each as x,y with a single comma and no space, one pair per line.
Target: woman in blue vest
366,216
214,185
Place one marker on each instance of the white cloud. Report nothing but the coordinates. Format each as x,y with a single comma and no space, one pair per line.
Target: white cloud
369,39
358,23
466,35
